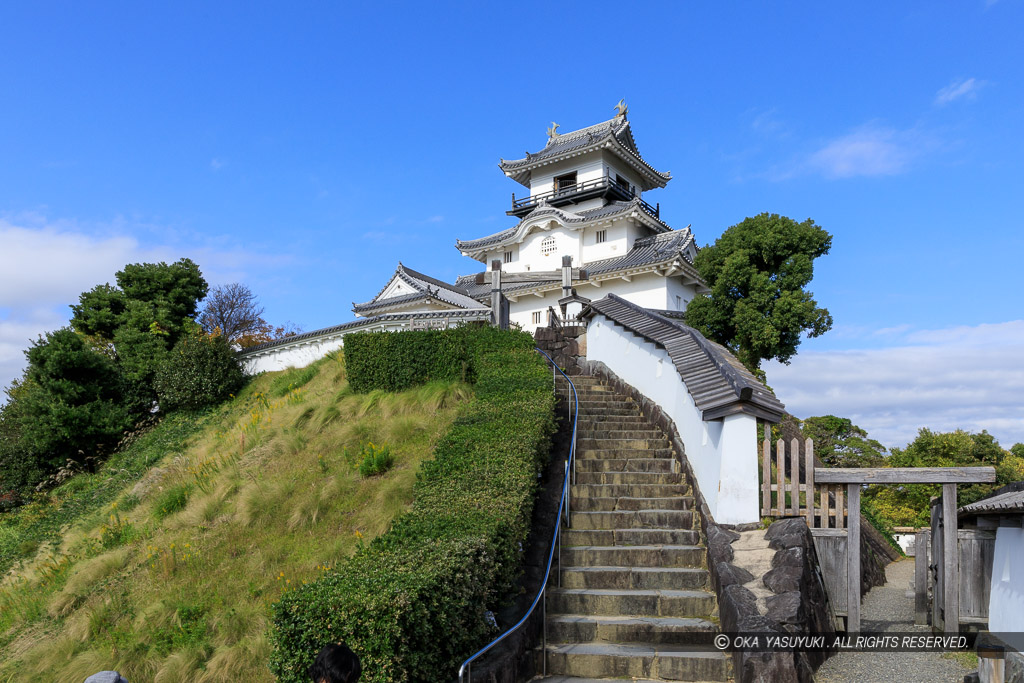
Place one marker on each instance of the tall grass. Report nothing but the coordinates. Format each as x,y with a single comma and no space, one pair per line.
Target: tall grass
254,503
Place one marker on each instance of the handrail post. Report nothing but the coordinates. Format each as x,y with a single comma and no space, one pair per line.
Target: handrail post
556,543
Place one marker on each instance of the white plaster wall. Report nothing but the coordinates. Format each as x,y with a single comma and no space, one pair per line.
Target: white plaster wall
615,166
616,243
396,288
521,311
722,453
647,289
567,243
677,294
587,167
1006,599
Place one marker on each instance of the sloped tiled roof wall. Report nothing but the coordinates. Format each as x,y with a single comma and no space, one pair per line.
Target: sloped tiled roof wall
719,384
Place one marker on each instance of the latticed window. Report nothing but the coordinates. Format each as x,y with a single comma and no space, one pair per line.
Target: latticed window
547,245
536,317
508,257
601,236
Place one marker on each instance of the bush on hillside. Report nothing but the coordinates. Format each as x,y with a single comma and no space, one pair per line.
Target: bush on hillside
395,362
201,370
413,604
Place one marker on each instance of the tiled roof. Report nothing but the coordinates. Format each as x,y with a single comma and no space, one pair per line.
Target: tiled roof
1009,499
719,384
647,251
469,314
426,288
566,217
616,129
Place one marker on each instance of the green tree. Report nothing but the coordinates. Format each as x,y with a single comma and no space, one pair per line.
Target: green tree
141,319
200,370
757,271
840,443
70,406
909,505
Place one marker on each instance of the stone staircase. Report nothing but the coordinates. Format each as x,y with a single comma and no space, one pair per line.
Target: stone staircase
634,588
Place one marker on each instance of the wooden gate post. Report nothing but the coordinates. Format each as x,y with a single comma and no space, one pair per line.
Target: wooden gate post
852,558
951,560
921,551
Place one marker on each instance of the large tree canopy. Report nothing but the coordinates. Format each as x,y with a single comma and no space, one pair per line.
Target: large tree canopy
72,405
840,443
909,505
757,271
142,318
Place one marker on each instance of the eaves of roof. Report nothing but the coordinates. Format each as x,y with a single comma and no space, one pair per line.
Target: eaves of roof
530,220
354,325
1007,500
719,384
614,134
442,291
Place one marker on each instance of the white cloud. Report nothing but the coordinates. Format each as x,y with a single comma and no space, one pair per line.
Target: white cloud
966,88
867,151
45,265
217,163
968,377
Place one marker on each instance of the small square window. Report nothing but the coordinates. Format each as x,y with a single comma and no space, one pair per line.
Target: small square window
601,236
536,317
508,257
547,245
565,182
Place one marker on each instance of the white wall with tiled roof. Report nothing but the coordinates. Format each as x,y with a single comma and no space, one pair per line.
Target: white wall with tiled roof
722,453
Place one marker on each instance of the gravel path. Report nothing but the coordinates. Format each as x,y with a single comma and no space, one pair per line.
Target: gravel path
887,608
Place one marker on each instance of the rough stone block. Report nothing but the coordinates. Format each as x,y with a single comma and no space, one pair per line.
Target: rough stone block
784,578
791,557
729,574
786,608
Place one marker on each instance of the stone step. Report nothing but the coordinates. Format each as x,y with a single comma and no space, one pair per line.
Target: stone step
629,490
648,662
603,433
609,409
586,478
626,578
598,464
640,603
630,537
603,397
584,628
640,519
611,421
609,504
604,444
624,453
633,556
584,387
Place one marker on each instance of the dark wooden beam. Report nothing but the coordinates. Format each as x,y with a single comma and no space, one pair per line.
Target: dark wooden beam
905,475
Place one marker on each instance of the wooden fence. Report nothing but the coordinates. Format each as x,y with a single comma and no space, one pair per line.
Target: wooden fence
829,500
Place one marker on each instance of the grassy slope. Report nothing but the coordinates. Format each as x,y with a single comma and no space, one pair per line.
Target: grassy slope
167,574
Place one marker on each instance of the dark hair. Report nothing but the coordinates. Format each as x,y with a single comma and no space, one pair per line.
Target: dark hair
335,664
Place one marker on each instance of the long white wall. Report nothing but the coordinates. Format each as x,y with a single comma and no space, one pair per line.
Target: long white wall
722,453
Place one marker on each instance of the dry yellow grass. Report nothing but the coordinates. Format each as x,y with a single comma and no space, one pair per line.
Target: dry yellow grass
270,500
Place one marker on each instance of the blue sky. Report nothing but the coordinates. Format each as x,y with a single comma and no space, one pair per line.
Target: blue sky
305,148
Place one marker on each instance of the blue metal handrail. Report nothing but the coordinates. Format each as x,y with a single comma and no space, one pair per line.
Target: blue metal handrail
556,542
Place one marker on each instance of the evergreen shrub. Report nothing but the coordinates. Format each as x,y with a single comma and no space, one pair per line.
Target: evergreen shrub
413,603
201,370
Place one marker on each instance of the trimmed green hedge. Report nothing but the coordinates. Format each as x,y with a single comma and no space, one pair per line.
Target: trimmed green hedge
394,362
413,604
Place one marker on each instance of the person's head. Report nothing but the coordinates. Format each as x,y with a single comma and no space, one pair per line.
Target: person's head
335,664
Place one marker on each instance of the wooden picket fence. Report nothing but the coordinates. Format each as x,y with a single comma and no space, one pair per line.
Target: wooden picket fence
797,495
